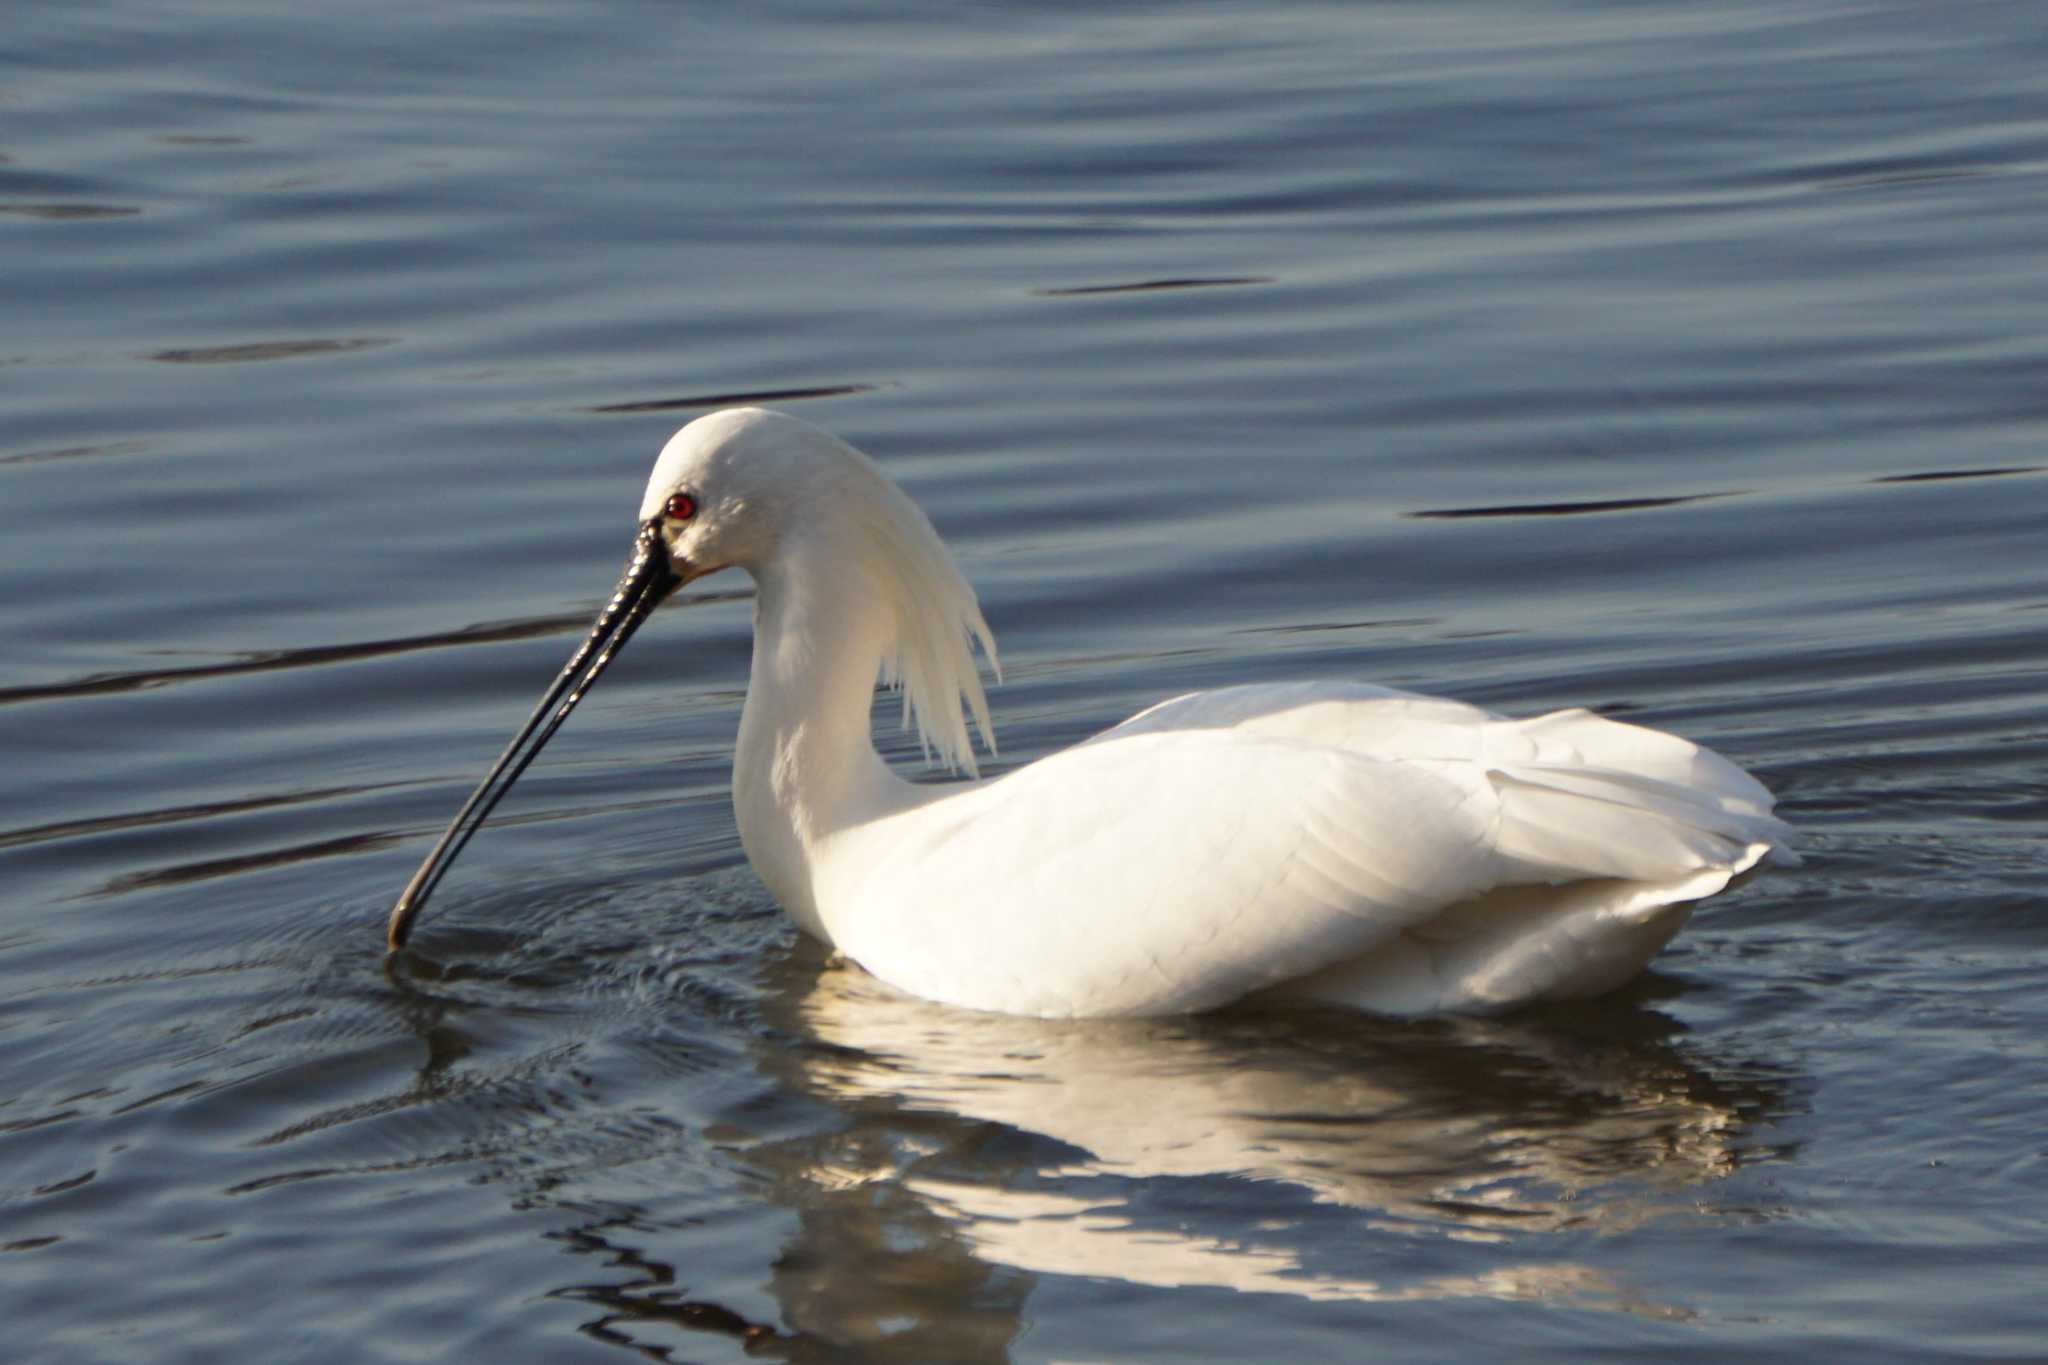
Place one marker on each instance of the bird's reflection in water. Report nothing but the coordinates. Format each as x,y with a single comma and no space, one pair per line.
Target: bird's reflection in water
1328,1157
925,1169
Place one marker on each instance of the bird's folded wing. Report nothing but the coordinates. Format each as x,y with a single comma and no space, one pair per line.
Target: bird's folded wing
1163,873
1575,786
1172,865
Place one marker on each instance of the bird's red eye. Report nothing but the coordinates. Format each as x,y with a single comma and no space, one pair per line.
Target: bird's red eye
681,506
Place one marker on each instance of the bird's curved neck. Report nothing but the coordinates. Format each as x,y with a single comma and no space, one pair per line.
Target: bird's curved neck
805,766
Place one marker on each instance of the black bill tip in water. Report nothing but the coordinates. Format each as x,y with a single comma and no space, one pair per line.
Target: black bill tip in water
648,579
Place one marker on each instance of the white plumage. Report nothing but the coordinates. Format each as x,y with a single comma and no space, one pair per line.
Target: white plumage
1321,843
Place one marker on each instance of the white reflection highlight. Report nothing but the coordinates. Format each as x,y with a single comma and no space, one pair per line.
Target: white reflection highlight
1473,1131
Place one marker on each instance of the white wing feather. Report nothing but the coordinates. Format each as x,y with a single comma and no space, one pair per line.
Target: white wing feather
1341,843
1158,874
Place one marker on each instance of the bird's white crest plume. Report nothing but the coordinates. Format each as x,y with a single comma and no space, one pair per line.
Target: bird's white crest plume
938,623
1329,843
809,482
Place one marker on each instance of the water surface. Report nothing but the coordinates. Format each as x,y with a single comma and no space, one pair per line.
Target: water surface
1680,360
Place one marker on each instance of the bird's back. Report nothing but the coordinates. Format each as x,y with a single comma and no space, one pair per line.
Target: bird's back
1329,843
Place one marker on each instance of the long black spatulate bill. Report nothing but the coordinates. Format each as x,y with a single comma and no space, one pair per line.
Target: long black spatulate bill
648,579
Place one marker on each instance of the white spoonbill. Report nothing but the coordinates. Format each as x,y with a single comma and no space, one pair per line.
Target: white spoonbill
1321,843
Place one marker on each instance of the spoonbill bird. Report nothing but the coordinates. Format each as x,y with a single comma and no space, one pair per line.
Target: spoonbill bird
1305,842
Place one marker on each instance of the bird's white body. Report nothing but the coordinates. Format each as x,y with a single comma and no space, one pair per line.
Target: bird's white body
1319,842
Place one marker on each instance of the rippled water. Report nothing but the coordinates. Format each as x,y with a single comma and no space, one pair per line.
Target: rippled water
1682,360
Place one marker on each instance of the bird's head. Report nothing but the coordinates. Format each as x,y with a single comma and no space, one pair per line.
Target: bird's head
762,491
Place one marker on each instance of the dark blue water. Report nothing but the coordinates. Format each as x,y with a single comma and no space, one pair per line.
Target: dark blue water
1682,360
